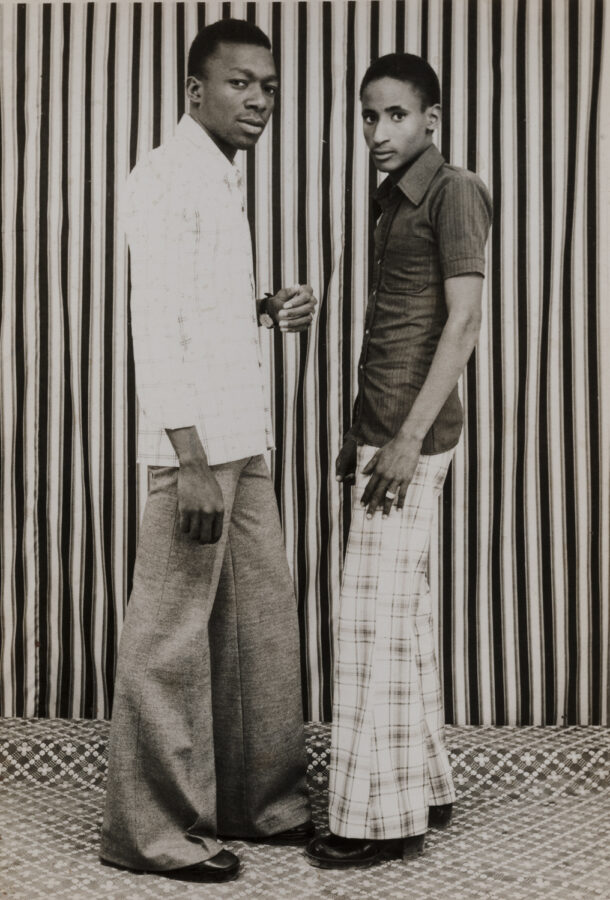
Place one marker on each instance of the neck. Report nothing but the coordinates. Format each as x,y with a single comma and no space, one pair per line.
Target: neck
396,176
227,149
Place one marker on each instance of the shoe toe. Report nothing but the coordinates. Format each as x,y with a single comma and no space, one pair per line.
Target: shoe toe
224,866
334,851
316,846
224,861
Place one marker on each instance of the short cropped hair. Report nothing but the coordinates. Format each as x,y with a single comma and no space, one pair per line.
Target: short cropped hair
406,67
227,31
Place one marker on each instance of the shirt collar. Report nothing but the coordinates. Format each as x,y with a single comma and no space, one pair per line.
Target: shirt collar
191,131
416,180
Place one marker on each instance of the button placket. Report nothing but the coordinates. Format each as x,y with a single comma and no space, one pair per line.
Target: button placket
384,232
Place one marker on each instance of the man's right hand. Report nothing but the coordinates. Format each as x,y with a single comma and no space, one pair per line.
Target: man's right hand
200,502
345,466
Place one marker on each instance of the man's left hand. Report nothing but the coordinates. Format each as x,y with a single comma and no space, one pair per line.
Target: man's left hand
293,308
391,470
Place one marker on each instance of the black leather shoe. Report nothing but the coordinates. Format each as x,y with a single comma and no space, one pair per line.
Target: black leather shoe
222,867
440,816
335,852
300,834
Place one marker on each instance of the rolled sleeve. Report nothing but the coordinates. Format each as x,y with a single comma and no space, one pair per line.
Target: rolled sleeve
462,218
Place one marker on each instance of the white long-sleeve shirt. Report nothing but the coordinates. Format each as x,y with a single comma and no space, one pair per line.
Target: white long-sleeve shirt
193,309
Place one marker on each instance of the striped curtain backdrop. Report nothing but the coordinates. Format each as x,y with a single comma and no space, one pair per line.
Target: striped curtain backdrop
520,560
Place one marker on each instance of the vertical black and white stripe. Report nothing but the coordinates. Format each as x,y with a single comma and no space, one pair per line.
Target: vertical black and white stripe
520,564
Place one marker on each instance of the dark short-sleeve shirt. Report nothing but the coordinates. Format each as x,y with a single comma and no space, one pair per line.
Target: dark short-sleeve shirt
434,225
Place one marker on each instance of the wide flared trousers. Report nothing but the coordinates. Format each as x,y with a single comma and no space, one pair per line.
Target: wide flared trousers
207,730
388,762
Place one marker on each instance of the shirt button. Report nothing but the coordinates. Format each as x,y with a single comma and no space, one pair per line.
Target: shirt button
368,331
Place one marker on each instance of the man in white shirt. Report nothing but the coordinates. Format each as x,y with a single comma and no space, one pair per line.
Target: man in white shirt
207,726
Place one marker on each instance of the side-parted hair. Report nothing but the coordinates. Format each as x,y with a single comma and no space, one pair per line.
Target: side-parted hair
406,67
227,31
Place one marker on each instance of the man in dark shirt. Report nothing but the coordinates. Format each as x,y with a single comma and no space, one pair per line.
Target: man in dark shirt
389,775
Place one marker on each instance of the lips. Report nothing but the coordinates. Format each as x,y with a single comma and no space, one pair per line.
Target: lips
383,154
252,124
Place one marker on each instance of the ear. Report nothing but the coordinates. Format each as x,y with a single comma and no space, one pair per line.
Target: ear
194,89
433,117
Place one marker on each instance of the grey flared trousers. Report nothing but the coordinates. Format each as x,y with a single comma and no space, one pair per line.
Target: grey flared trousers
207,725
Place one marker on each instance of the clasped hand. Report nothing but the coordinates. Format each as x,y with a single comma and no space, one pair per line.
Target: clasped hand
293,308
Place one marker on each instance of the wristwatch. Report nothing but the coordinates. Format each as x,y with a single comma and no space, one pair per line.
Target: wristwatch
263,316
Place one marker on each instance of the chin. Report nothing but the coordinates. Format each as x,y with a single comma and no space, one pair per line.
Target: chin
389,165
246,143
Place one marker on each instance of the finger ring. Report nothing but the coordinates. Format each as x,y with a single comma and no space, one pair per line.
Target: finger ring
390,495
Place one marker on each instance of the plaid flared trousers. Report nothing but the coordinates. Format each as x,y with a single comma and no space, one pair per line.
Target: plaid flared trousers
388,762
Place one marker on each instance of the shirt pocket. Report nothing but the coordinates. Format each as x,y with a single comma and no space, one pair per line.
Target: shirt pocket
406,266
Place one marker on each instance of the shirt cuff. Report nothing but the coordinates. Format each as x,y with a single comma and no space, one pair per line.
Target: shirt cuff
466,265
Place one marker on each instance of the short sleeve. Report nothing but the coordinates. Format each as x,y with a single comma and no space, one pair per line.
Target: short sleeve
461,216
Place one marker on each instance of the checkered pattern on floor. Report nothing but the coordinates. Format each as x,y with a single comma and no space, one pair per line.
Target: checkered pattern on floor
532,821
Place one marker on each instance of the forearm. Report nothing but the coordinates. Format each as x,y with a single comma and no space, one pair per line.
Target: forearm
455,346
187,446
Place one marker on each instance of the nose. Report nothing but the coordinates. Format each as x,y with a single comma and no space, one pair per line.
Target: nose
379,135
258,99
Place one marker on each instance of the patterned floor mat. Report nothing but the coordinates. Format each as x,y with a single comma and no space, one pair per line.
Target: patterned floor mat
533,821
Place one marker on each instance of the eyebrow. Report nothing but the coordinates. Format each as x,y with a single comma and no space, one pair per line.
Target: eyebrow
389,109
249,74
